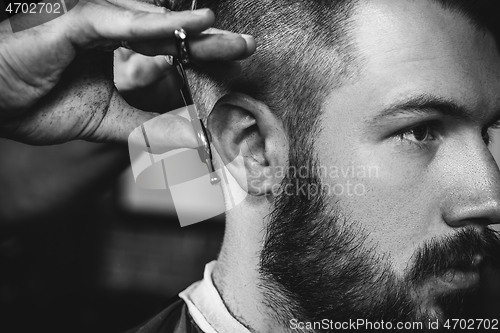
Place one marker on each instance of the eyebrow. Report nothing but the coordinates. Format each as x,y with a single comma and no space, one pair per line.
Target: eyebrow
424,104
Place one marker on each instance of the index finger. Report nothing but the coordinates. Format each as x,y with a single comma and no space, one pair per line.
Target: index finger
98,22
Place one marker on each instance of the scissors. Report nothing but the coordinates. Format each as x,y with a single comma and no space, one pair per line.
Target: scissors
202,136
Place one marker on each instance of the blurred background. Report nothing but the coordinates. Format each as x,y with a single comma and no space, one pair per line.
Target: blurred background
83,249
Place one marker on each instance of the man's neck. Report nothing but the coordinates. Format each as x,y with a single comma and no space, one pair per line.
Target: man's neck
236,278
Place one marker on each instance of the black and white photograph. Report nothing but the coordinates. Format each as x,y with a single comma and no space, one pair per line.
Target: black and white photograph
249,166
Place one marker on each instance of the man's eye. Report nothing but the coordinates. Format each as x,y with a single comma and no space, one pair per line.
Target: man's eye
419,134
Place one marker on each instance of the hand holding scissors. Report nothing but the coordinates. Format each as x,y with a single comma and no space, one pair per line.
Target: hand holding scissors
57,84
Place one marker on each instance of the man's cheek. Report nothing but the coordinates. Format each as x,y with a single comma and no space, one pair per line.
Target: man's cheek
398,221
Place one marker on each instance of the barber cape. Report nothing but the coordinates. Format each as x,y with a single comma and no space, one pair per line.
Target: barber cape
198,309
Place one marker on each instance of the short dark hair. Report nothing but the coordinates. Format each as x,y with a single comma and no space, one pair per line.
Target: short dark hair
285,72
304,51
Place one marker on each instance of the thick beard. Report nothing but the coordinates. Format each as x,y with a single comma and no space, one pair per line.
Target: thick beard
316,264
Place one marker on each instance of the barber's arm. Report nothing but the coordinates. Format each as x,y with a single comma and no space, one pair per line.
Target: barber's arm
42,183
57,84
56,89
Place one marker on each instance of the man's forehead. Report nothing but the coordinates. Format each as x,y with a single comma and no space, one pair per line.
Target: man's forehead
414,29
419,46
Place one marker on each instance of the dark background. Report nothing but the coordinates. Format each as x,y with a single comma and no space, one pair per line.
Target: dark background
74,256
99,271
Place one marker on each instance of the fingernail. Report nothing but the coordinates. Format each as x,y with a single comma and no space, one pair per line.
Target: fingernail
200,12
162,62
248,38
251,44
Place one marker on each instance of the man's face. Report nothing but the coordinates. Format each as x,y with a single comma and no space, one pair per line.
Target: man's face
427,171
405,166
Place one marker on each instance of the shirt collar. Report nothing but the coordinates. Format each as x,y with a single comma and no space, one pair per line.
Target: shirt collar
207,308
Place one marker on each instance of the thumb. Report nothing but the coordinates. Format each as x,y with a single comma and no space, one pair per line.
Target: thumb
164,132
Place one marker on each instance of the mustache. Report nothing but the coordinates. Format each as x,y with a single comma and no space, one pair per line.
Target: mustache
458,251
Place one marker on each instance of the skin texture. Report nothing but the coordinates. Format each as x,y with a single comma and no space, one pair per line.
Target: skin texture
417,191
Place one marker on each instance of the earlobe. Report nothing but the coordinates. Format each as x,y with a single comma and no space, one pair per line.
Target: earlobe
242,126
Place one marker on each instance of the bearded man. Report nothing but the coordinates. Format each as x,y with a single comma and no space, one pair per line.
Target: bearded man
370,188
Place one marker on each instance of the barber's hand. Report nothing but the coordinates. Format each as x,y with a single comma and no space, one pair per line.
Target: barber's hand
57,83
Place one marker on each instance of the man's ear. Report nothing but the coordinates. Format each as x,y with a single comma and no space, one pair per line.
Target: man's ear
241,125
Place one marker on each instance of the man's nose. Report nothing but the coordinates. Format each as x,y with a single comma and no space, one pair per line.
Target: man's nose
474,193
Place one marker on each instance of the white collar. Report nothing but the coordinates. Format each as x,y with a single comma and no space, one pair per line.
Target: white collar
207,308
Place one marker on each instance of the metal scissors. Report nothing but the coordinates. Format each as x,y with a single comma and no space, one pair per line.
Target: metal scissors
201,132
